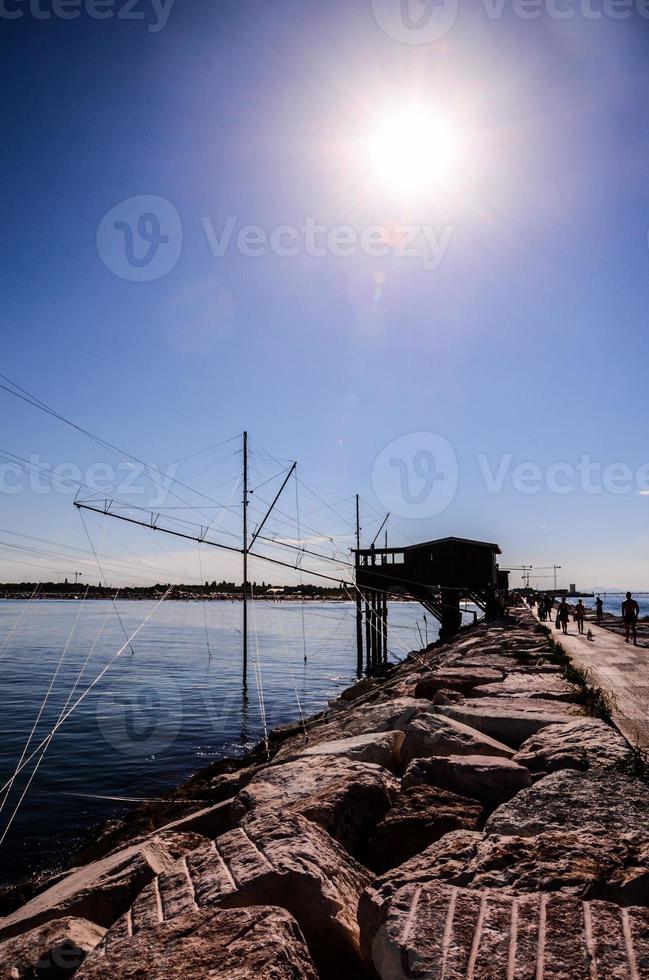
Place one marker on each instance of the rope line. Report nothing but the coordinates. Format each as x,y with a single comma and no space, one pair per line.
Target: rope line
87,691
103,577
258,677
43,705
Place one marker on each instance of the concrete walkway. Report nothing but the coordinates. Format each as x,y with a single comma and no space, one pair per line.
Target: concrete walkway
619,668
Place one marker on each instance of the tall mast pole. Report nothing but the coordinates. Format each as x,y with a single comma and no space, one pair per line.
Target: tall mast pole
245,559
359,606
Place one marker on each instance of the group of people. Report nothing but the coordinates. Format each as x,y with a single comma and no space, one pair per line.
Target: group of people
630,613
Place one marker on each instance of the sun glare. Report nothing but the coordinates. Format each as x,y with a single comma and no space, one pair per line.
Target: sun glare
413,150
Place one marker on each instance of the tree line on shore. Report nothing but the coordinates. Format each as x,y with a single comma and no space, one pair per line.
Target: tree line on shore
209,590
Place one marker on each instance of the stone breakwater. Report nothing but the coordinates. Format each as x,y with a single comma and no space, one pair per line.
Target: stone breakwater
462,818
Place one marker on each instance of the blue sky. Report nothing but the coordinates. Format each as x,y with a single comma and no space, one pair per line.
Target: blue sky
527,342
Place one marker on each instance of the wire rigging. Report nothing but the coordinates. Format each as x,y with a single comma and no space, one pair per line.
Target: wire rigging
87,691
103,578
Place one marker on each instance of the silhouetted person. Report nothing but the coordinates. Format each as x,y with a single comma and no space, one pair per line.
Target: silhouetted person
630,613
580,613
599,609
563,615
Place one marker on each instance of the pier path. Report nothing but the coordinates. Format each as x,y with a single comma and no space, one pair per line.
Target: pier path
619,668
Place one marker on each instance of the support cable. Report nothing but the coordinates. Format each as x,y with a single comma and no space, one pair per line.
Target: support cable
87,691
43,704
101,573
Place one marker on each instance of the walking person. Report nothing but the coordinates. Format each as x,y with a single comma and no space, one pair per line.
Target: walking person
580,614
630,613
563,615
599,610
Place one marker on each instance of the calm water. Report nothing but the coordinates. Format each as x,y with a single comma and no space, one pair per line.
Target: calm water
613,604
159,715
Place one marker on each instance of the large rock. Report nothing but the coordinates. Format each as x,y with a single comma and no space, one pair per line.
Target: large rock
529,684
583,744
509,720
596,802
429,733
209,821
379,748
246,944
347,798
494,659
486,778
438,931
284,861
351,720
456,679
446,861
55,949
586,865
420,816
103,890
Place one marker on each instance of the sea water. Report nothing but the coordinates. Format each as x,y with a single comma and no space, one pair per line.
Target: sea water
163,710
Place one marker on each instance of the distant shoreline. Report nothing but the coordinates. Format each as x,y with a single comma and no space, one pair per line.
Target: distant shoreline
78,597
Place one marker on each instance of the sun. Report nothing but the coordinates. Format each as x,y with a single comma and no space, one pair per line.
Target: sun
413,149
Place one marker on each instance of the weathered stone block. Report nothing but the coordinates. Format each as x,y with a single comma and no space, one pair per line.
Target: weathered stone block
510,720
420,816
246,944
584,743
282,861
489,779
592,802
436,930
103,890
55,949
345,797
429,733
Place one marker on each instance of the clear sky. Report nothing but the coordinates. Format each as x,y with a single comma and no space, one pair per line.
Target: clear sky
516,334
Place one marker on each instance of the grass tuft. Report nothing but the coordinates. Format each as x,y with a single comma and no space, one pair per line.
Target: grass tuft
635,765
595,702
